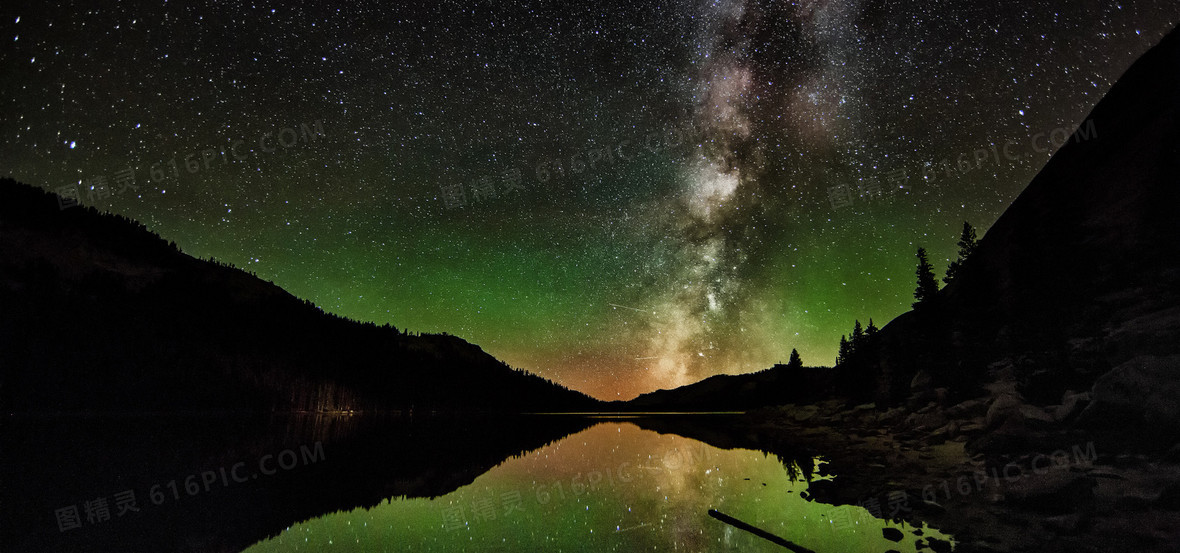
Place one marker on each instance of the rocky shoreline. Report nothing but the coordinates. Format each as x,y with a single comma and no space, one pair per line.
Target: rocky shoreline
995,472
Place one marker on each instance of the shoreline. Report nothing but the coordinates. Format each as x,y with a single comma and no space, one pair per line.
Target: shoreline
1019,501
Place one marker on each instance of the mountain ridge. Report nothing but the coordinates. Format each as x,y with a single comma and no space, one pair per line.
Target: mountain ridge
738,392
1086,247
127,303
1076,277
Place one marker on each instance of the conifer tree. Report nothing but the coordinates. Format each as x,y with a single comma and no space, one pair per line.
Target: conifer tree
967,244
927,282
795,362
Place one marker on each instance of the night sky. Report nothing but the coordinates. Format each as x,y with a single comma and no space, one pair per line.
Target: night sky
618,196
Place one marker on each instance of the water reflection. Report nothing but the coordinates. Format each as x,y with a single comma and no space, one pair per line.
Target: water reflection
212,483
611,487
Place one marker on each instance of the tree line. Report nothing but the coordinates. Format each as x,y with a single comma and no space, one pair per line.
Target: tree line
925,294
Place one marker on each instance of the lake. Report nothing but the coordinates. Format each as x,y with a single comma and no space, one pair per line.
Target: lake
611,487
439,483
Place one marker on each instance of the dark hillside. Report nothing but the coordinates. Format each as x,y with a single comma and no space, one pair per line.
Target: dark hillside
98,314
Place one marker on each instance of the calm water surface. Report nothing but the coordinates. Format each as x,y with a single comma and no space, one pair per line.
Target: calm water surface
611,487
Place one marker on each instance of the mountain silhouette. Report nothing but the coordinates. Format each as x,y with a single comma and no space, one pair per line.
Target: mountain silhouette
101,315
724,392
1075,286
1073,295
1077,273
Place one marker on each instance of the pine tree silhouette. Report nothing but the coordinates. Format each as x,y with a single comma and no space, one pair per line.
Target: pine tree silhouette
845,350
927,282
795,362
858,338
967,244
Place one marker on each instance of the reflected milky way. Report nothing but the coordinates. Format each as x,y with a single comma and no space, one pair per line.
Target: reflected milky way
613,487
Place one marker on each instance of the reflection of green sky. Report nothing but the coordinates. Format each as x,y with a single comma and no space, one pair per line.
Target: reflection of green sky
613,487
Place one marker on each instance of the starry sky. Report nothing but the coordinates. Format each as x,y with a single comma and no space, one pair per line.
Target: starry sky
618,196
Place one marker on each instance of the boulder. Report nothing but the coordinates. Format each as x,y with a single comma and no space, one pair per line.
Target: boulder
929,421
891,416
938,546
1003,387
1016,434
1129,503
1069,524
921,390
1169,498
1056,492
1140,393
921,382
1035,416
998,368
1003,407
805,413
951,429
968,409
971,427
1071,405
1173,454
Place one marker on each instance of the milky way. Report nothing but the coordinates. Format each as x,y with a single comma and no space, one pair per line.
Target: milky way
619,196
719,215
